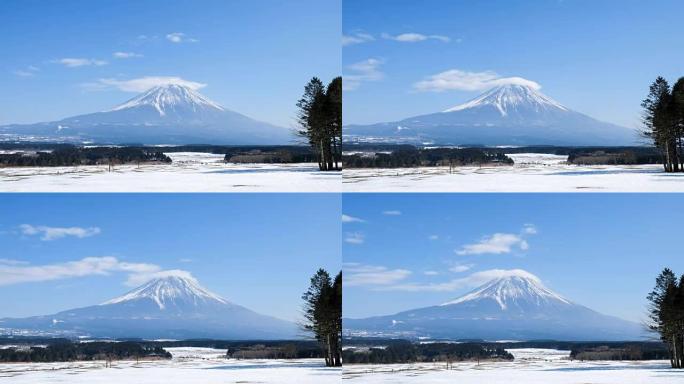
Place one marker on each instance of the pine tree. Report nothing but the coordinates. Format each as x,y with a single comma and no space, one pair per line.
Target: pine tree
666,312
660,119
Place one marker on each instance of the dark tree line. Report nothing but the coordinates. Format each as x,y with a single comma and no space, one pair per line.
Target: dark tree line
666,313
68,351
320,119
323,314
407,352
414,157
69,156
663,118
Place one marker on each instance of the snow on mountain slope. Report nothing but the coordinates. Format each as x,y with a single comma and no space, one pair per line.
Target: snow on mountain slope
167,114
170,290
510,97
516,306
172,305
510,290
506,115
168,97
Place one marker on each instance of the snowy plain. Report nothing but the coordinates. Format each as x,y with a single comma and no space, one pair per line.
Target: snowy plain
531,366
188,366
188,172
531,172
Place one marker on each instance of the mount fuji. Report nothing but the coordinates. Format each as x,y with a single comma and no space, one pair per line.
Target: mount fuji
513,307
168,307
165,114
510,114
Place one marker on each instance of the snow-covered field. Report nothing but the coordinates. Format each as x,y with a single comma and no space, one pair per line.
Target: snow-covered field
188,366
189,172
531,173
531,366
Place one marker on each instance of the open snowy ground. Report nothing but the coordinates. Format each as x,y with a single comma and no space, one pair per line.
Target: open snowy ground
189,172
531,366
188,366
531,173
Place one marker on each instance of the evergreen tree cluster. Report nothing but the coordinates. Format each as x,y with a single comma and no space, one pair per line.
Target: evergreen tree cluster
427,157
71,155
68,351
320,119
407,352
666,313
663,118
323,314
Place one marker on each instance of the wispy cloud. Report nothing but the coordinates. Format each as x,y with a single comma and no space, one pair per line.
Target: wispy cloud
459,80
72,62
430,273
470,281
17,274
180,37
140,84
412,37
433,237
356,38
351,219
356,274
361,72
139,278
391,213
53,233
185,260
126,55
355,238
460,268
29,71
13,262
499,243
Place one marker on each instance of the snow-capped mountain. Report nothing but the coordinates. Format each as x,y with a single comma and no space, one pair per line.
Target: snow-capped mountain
166,114
512,307
506,115
170,307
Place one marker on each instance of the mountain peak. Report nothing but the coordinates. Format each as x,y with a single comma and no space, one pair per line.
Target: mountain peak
170,97
514,288
508,97
173,287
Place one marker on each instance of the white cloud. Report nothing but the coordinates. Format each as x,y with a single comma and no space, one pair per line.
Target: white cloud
17,274
355,238
430,273
433,237
370,275
499,243
140,278
79,62
351,219
529,229
179,37
126,55
458,268
141,84
356,38
185,260
12,262
456,79
361,72
54,233
415,37
391,213
473,280
29,71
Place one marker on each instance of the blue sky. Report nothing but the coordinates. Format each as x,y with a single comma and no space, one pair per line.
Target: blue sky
257,250
416,250
62,58
597,57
